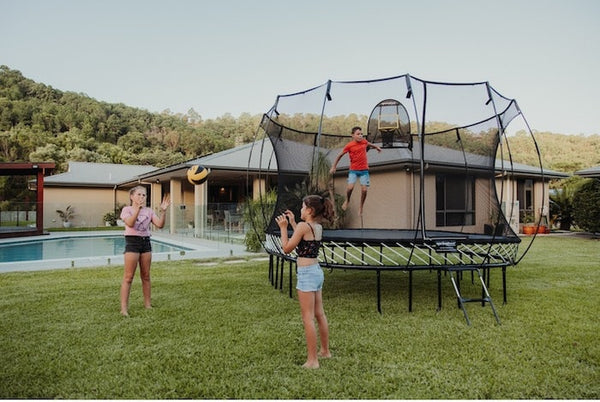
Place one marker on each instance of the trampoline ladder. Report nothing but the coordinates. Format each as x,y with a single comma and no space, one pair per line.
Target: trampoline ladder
485,295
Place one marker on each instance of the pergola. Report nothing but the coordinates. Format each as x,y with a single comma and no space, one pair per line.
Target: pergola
39,170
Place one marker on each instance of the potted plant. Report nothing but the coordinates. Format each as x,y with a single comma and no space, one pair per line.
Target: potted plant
543,229
528,224
110,218
66,215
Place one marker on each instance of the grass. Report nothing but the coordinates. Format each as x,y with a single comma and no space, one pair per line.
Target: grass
221,331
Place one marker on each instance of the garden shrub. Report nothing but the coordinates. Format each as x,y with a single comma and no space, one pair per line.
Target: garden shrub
258,215
586,206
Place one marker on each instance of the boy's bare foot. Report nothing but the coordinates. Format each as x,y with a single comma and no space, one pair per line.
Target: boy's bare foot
308,365
325,355
124,313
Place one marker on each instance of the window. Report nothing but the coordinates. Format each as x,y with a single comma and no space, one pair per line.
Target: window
455,200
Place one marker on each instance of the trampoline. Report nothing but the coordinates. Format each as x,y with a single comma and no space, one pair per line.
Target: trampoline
443,194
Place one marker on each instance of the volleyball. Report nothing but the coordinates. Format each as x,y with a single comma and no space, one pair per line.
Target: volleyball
197,174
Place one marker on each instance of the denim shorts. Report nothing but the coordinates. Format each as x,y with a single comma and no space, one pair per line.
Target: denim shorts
137,244
362,175
310,278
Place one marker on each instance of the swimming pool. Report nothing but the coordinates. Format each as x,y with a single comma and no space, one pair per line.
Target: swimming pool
74,247
99,252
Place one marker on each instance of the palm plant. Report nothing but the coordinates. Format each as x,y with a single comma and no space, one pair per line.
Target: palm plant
561,202
67,214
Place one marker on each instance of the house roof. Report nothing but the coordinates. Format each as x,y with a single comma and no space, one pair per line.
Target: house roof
90,174
444,158
523,170
243,157
234,163
231,164
593,172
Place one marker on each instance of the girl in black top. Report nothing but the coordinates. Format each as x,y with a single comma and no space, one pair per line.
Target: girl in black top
306,239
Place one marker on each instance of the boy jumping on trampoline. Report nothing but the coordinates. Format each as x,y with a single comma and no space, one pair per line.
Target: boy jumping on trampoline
359,166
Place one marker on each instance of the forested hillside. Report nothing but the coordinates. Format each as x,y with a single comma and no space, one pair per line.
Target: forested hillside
40,123
563,153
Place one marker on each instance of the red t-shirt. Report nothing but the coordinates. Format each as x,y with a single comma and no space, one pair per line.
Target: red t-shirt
357,151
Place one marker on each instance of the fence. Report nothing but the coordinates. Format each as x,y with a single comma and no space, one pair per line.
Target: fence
17,218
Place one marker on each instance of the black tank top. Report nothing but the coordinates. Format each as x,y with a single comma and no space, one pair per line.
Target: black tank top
309,248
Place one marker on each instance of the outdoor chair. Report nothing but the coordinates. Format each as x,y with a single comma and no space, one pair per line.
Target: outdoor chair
231,220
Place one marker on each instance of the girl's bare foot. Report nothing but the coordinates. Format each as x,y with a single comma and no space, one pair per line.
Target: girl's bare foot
325,355
309,365
124,313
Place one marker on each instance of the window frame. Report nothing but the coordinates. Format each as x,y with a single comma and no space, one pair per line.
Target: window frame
447,191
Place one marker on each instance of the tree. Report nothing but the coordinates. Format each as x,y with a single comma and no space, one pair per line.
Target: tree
114,153
561,201
50,153
586,205
85,155
154,158
134,143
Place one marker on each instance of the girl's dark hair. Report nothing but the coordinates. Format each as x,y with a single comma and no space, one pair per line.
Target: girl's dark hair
322,207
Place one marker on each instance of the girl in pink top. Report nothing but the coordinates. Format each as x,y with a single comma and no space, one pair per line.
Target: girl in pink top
138,250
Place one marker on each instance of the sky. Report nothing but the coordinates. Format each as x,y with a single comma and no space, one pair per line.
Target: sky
236,56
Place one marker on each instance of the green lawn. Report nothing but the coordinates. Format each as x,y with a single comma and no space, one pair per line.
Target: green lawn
223,332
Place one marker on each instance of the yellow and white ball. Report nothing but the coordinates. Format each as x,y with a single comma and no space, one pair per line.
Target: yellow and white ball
197,174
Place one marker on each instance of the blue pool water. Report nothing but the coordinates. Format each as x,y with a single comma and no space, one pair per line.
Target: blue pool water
73,247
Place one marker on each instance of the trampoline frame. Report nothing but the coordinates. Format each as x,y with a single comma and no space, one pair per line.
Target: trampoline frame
447,252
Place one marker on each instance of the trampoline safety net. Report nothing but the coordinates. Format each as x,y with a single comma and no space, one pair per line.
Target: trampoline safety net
443,190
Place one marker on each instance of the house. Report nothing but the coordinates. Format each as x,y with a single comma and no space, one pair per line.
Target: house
244,171
393,197
235,174
395,173
94,189
91,189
